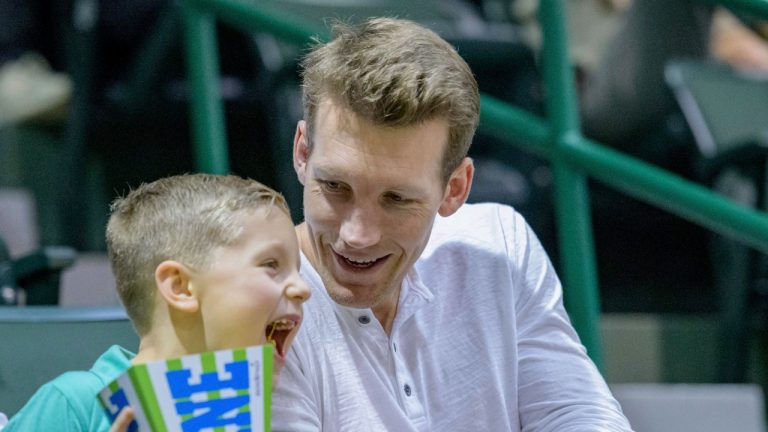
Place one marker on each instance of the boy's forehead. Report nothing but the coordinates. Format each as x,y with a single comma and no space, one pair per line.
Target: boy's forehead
265,214
260,230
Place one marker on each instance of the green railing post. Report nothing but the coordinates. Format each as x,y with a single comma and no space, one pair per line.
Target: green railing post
207,111
574,224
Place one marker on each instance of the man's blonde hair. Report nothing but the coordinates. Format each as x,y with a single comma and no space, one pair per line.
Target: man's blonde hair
396,73
181,218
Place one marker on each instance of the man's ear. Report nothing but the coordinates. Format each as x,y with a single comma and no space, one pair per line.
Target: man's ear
457,189
173,282
301,150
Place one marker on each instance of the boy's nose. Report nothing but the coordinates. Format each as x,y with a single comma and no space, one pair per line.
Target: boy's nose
297,289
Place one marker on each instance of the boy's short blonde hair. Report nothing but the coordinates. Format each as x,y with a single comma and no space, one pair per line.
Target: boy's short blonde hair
396,73
181,218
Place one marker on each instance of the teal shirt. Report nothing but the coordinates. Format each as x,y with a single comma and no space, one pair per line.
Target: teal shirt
70,402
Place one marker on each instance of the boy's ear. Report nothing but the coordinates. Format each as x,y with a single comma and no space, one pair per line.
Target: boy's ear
458,187
301,150
172,280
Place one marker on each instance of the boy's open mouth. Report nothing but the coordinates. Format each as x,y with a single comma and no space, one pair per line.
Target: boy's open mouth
277,333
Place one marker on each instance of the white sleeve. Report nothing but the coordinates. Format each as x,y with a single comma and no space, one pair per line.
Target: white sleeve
295,407
560,389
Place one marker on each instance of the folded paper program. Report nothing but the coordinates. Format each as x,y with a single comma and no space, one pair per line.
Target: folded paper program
229,389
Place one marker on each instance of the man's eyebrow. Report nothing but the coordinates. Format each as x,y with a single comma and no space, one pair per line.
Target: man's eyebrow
321,171
332,173
413,192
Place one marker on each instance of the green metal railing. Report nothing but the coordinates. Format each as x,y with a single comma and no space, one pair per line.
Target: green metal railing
559,140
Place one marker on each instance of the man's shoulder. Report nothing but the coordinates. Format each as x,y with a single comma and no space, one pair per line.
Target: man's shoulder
484,223
471,215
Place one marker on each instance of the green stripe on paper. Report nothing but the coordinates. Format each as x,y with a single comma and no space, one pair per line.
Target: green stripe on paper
239,354
208,361
114,386
147,397
267,359
174,364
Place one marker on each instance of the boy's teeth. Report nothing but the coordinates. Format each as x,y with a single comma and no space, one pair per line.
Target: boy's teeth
283,324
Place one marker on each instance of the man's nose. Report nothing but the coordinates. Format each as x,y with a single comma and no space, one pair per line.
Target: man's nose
360,228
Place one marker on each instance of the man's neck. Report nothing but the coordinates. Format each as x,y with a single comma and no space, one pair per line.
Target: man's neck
386,313
302,232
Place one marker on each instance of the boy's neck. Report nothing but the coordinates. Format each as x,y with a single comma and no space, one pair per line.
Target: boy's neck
154,346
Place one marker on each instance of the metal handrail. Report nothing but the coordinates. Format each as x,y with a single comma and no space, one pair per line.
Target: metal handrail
559,140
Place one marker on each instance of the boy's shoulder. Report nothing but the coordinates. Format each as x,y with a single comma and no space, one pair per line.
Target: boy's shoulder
69,401
65,403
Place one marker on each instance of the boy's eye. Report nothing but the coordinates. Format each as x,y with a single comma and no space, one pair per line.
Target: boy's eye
272,264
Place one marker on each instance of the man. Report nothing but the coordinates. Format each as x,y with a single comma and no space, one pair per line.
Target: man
427,314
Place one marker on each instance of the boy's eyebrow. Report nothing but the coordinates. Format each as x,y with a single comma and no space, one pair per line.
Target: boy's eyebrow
275,247
270,244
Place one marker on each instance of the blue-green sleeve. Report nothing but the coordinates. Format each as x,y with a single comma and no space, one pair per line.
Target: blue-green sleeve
48,410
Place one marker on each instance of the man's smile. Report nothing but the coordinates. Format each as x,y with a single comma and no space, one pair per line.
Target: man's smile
359,264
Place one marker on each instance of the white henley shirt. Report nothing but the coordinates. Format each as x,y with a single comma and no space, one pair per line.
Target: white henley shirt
480,342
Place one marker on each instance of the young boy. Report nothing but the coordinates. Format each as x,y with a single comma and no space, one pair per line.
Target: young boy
202,263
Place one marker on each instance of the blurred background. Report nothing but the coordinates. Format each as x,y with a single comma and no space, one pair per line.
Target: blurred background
95,100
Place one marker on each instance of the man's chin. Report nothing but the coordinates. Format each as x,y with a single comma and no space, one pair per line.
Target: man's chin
352,293
348,297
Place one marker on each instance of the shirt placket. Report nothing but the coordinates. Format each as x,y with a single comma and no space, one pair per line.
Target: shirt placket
407,390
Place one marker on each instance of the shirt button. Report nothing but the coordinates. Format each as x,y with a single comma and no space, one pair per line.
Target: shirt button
407,390
364,319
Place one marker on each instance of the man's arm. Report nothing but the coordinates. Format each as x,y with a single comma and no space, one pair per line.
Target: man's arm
560,389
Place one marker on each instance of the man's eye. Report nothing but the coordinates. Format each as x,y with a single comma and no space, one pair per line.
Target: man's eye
330,185
396,198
